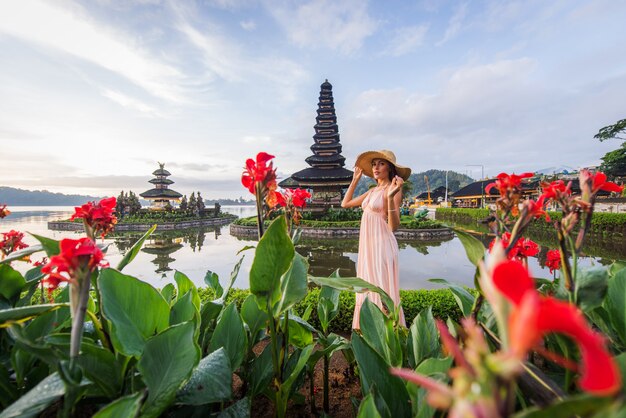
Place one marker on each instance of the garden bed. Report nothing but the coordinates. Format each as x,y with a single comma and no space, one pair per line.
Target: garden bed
146,225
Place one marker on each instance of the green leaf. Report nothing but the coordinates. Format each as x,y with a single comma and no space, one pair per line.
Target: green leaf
354,284
577,405
230,334
272,258
49,245
463,298
184,310
233,277
293,285
255,318
374,369
327,306
240,409
436,367
38,398
213,281
423,338
299,335
11,281
210,382
186,285
474,249
9,317
621,363
18,255
168,292
261,373
591,287
135,310
126,407
167,362
374,327
368,408
134,250
615,303
615,267
304,355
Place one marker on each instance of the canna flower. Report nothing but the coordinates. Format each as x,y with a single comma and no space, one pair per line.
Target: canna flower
505,182
296,197
534,315
4,212
524,247
75,262
534,209
553,260
598,182
556,190
11,241
258,172
97,216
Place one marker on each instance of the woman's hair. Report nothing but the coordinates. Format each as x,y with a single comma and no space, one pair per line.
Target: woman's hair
392,170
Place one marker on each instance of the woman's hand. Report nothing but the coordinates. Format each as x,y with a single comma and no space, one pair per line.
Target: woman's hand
358,172
396,186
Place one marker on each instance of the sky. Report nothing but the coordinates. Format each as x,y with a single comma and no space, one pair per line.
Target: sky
93,94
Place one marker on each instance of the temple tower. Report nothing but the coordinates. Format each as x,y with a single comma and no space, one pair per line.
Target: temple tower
161,195
326,177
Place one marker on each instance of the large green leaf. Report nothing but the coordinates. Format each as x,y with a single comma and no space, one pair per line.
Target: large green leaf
303,357
591,287
135,310
299,334
185,285
293,285
374,369
328,305
11,281
49,245
354,284
261,373
240,409
463,298
183,310
254,317
230,334
474,249
375,328
233,276
213,281
18,255
615,304
134,250
38,398
167,362
9,317
210,382
126,407
621,363
272,258
368,408
578,405
423,338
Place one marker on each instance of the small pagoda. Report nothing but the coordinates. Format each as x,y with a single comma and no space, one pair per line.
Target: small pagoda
161,195
325,178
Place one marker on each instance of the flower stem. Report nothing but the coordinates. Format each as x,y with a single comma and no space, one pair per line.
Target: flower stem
259,209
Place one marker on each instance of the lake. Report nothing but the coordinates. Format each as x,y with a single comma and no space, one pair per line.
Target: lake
193,252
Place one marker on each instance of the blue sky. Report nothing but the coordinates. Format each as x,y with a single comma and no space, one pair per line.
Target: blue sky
94,93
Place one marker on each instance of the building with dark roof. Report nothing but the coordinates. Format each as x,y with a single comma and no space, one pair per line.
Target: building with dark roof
161,195
325,178
436,196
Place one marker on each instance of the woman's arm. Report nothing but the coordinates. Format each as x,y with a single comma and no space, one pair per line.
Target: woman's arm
348,201
394,200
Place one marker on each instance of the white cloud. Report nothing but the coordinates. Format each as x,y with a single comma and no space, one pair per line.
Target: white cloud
131,103
248,25
407,39
454,25
70,31
337,25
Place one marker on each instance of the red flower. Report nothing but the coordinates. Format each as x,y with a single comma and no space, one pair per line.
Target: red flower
76,261
98,217
534,316
524,247
507,182
598,182
296,197
4,212
553,261
535,209
258,172
556,189
11,241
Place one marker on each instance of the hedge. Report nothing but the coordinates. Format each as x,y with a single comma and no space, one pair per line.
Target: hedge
406,222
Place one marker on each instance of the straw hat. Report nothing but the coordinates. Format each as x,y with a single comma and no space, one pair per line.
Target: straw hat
364,162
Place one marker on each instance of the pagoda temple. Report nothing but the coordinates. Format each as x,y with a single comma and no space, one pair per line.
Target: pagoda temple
325,178
160,195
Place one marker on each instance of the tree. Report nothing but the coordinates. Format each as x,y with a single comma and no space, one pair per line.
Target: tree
612,131
133,203
199,204
193,204
614,162
183,204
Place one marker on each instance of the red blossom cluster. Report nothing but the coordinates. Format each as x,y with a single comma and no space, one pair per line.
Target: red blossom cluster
510,188
553,260
4,212
11,241
99,216
523,248
262,175
535,316
76,260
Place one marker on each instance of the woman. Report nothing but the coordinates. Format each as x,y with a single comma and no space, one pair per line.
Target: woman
377,262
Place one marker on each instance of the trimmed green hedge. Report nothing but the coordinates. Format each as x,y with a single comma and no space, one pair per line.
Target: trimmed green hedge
406,222
413,301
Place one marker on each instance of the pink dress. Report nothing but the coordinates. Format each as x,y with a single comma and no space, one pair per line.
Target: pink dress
377,261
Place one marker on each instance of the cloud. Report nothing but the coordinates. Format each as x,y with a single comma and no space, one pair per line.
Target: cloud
454,25
407,39
342,26
70,31
248,25
131,103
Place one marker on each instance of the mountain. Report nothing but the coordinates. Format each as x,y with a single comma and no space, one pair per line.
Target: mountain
436,178
556,170
19,197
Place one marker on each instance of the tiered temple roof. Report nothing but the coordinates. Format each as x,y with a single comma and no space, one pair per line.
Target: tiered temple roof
326,162
161,194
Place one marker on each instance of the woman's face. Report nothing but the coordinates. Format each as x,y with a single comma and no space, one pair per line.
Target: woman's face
380,169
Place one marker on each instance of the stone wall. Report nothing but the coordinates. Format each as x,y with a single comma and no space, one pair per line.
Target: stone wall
308,232
166,226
